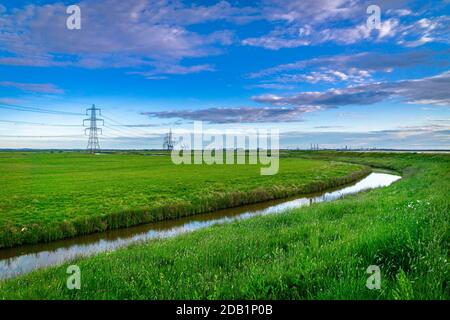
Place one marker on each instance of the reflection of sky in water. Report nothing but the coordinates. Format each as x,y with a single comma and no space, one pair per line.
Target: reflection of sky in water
27,262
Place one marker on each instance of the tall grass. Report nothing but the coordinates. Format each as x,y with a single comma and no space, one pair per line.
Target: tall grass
316,252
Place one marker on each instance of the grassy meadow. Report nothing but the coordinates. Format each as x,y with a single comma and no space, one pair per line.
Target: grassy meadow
316,252
49,196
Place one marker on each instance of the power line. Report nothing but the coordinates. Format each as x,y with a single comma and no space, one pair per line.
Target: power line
117,129
37,110
60,136
40,124
127,127
124,133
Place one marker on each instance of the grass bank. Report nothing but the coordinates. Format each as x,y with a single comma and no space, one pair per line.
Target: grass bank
50,196
317,252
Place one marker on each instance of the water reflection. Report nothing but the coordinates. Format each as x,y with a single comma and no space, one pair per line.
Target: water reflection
16,261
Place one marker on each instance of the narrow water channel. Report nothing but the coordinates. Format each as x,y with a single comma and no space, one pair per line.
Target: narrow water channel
24,259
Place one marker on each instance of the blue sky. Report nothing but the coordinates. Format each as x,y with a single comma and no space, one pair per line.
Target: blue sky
310,68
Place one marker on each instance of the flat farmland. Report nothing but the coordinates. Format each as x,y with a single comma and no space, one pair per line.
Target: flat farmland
46,196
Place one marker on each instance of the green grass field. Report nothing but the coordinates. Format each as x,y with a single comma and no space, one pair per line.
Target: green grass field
49,196
317,252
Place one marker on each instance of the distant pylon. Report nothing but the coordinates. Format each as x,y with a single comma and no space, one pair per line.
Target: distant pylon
93,144
168,141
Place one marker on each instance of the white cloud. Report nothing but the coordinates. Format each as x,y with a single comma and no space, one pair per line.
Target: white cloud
388,28
33,87
163,69
301,23
430,90
114,33
355,68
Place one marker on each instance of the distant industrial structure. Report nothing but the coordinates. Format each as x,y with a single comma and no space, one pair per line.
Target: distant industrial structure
93,145
168,141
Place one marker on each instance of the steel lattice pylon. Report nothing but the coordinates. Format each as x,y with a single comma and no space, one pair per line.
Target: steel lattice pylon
93,143
168,141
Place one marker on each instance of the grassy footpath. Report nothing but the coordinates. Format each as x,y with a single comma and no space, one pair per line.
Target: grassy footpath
49,196
318,252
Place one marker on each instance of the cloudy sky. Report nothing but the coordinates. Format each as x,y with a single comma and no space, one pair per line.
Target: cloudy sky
311,68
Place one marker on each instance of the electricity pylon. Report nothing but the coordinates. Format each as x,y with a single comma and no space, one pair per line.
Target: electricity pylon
93,144
168,141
